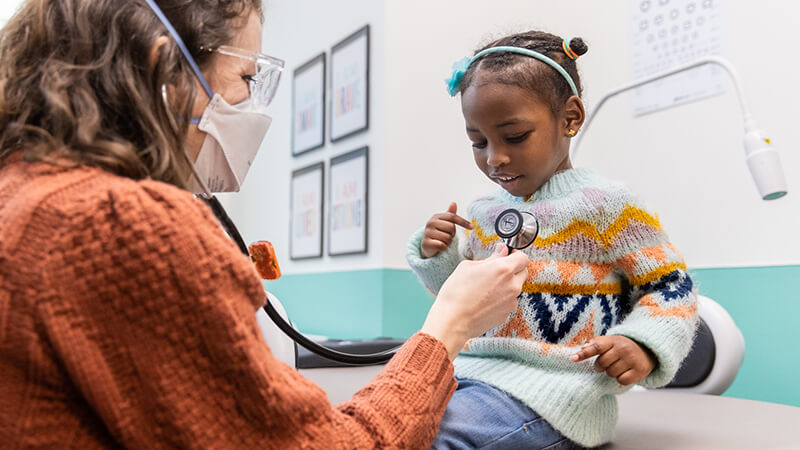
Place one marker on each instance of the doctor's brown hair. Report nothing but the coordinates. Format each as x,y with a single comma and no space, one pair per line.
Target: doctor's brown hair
77,86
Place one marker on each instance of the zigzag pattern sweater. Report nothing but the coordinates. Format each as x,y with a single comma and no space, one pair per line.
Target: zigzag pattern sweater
601,266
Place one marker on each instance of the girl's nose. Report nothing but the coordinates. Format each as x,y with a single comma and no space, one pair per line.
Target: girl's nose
496,157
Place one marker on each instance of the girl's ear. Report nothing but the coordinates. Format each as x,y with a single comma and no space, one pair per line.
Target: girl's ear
573,116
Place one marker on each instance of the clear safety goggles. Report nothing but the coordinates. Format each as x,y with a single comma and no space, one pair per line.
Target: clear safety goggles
266,74
266,71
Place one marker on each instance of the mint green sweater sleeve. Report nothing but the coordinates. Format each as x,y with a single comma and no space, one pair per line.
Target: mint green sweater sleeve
663,300
432,272
667,331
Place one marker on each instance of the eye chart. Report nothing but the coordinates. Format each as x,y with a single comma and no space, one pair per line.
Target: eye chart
670,33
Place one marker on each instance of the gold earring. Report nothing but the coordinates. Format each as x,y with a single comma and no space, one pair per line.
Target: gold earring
572,133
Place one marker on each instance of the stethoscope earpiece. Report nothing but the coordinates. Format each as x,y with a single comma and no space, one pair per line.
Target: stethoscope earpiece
518,228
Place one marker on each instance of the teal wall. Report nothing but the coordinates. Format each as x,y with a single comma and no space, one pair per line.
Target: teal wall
353,305
764,302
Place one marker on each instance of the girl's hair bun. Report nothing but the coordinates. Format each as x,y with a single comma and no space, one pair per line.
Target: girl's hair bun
578,46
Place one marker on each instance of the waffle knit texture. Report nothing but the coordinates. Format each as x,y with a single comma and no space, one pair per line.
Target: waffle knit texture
127,319
601,265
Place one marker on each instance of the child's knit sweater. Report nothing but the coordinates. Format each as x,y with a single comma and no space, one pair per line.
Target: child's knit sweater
601,266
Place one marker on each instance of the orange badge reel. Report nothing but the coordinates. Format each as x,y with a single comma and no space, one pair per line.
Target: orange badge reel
263,256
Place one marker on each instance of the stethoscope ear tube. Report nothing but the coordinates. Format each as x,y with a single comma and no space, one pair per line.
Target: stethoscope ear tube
225,220
288,329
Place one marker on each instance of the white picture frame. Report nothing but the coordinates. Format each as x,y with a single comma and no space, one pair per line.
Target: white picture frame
308,106
348,216
349,102
307,208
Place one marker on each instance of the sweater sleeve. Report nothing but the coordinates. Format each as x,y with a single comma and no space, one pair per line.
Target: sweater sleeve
432,272
661,311
153,320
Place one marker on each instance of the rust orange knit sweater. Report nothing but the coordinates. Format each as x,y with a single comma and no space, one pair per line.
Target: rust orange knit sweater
128,318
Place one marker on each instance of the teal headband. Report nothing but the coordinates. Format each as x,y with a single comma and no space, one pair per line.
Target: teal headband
460,67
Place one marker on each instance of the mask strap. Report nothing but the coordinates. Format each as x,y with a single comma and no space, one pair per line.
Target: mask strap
182,47
195,120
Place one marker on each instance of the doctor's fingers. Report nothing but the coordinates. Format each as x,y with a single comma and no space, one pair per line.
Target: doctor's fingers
518,262
513,265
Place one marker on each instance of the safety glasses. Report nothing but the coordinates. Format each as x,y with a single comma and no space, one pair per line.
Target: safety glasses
266,74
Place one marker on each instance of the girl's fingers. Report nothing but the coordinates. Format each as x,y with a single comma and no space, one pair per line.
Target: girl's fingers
444,226
454,219
451,216
617,368
431,248
628,377
605,360
438,235
592,348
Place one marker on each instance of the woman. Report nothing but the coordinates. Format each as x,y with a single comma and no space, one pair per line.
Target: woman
126,315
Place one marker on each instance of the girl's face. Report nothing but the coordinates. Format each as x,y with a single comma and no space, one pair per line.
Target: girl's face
516,140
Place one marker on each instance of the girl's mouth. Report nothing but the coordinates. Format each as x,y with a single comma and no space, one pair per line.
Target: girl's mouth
508,182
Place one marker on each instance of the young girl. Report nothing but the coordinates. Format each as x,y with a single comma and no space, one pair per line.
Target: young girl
608,302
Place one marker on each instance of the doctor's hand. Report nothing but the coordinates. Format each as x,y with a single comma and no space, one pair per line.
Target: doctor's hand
619,357
440,230
478,296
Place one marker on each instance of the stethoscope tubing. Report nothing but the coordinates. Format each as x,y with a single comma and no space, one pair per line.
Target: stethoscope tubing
274,315
286,327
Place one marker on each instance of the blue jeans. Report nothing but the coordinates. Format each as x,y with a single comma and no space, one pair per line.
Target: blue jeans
480,416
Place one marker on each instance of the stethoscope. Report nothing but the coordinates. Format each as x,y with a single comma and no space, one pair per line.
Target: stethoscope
518,229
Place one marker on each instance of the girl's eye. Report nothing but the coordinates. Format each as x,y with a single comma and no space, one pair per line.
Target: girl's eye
518,138
479,145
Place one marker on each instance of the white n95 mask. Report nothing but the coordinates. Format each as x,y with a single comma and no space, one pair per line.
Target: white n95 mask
233,138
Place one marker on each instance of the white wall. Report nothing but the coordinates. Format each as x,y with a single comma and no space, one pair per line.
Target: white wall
7,9
296,31
686,162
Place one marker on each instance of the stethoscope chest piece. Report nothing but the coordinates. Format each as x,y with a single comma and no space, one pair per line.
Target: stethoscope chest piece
518,228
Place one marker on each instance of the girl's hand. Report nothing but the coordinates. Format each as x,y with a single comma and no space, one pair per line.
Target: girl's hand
619,357
439,231
478,296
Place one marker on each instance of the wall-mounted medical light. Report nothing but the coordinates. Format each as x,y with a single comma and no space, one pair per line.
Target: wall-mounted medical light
762,158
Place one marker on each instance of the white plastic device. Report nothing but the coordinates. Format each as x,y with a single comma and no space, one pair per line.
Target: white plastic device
762,158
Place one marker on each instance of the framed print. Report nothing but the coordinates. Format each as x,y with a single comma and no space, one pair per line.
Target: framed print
347,221
350,85
308,106
306,205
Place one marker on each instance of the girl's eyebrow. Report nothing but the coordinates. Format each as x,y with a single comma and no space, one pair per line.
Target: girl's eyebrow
512,121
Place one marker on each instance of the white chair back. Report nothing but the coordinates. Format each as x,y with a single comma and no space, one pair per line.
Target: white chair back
283,348
728,352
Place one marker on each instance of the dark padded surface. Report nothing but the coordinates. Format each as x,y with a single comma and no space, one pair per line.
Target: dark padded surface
699,362
308,360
